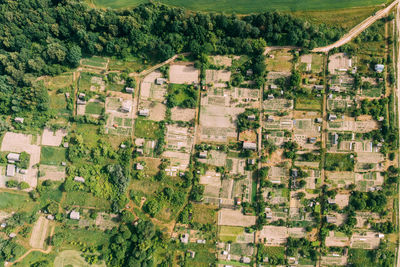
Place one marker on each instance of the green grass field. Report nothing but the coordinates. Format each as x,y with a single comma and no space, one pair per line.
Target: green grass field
246,6
147,129
12,201
52,155
339,162
94,108
302,103
86,200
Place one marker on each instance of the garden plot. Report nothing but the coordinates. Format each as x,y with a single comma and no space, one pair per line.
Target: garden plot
93,108
339,63
279,60
342,82
183,73
231,217
297,232
179,161
156,109
226,191
223,61
365,240
313,179
273,235
276,137
95,62
337,239
368,181
54,173
53,138
333,259
179,138
279,124
305,126
356,146
278,175
338,219
73,258
98,85
119,122
212,182
236,166
311,63
339,104
245,97
340,179
217,76
218,121
91,82
242,249
215,158
278,104
106,221
273,75
16,142
182,114
276,196
364,217
39,233
243,187
342,200
369,162
349,124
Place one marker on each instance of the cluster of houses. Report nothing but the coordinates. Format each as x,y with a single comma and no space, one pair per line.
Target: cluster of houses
12,169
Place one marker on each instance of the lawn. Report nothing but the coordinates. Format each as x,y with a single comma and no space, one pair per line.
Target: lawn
247,6
204,213
95,62
52,155
89,133
360,257
95,108
302,103
148,129
34,257
86,200
205,255
229,233
180,93
339,162
131,63
276,252
12,201
59,103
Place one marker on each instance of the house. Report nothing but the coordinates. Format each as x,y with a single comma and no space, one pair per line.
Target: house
249,72
10,172
200,241
331,201
379,68
332,117
251,117
139,142
245,259
144,112
82,96
123,146
66,144
238,201
318,87
140,151
67,95
184,238
79,179
50,217
273,86
23,171
270,97
74,215
203,154
249,145
19,120
129,90
13,156
318,120
161,81
126,106
63,163
139,166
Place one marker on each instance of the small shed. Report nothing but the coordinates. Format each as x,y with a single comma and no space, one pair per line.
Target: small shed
74,215
379,68
10,172
144,112
251,117
245,259
139,166
13,156
129,90
270,97
126,106
203,154
82,96
19,120
184,238
161,81
79,179
273,86
249,145
332,117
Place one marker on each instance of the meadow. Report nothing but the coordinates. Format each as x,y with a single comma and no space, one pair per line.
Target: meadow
246,6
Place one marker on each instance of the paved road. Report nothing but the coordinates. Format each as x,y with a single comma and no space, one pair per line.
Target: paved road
358,29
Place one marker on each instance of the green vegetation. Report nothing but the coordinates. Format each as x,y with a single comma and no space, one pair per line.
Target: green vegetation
52,155
339,162
12,201
182,95
248,6
303,103
94,108
148,129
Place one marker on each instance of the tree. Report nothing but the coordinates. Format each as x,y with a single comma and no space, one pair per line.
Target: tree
74,55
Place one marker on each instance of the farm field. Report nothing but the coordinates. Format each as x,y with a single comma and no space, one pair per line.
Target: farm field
247,6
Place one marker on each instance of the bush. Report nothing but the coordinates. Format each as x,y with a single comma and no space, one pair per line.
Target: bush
23,185
12,183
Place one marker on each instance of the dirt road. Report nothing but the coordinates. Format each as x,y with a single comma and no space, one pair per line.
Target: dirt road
358,29
396,91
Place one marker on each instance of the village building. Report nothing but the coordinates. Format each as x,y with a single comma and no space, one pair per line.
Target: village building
379,68
249,145
79,179
332,117
161,81
74,215
126,106
144,112
203,154
13,157
139,166
184,238
273,86
10,172
129,90
19,120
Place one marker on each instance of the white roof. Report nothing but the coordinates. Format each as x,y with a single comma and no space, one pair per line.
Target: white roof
79,179
10,170
74,215
13,156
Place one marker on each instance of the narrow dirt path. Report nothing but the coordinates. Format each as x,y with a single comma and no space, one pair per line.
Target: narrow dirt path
357,29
